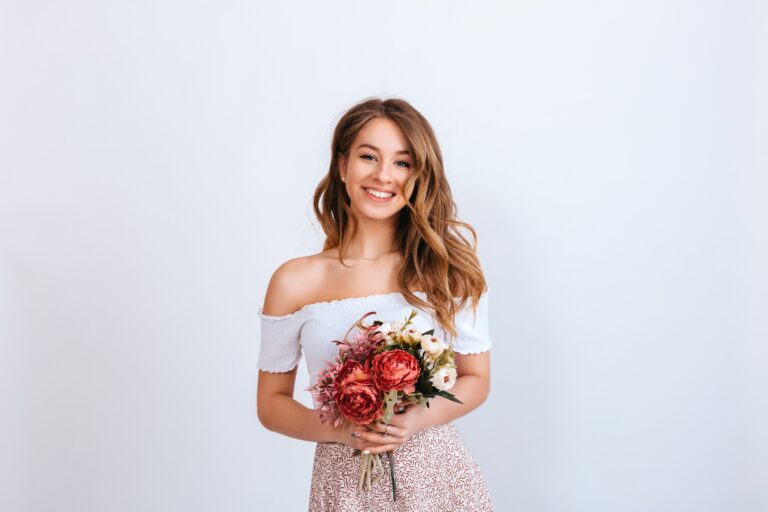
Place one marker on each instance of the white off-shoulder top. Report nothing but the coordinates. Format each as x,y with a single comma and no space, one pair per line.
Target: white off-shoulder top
311,330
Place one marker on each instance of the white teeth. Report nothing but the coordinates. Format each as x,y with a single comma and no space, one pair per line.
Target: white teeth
383,195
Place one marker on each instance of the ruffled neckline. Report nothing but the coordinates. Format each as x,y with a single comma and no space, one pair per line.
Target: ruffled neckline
326,303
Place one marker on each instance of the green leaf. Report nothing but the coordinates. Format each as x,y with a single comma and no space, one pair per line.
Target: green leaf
390,398
423,384
447,395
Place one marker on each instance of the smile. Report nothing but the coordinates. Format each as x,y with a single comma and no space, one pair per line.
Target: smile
381,196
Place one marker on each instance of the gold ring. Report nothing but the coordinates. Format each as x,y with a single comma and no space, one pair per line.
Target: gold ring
385,430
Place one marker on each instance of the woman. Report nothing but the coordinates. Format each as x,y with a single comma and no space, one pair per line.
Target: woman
391,246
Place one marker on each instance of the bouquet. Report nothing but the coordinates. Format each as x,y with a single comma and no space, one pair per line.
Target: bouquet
381,365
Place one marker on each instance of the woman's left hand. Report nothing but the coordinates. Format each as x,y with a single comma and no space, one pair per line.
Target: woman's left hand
401,427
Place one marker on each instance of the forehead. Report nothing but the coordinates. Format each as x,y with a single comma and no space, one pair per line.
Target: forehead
382,134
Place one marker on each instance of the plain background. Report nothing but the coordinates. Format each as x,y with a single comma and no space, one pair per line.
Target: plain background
157,161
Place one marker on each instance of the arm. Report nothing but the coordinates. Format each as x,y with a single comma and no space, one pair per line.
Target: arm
277,410
473,385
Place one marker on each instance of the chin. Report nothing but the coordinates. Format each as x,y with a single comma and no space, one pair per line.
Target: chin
380,214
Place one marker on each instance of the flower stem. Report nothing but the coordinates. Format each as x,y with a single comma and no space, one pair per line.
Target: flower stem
392,474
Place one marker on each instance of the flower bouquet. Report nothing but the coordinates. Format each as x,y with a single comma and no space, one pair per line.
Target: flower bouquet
381,365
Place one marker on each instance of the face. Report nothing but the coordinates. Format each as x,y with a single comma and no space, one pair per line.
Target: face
379,162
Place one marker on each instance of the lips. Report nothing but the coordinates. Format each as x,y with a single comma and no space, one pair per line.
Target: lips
379,190
378,195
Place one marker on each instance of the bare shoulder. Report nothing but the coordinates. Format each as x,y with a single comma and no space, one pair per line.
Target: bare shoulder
292,284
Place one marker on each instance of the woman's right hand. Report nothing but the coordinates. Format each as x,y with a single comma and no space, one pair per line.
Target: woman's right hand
344,431
344,435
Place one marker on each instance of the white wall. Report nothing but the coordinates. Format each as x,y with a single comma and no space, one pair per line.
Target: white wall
157,161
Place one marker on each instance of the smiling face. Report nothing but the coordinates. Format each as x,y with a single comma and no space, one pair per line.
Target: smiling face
375,171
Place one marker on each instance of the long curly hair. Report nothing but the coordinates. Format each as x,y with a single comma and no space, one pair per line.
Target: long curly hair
436,256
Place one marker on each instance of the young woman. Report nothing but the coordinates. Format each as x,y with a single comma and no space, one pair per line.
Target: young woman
392,245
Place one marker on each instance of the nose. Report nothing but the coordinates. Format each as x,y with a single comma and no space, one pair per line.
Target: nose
382,173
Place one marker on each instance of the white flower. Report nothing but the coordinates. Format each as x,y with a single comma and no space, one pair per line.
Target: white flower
412,335
432,345
444,378
387,333
396,326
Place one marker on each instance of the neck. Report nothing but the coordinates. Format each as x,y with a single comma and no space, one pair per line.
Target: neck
374,239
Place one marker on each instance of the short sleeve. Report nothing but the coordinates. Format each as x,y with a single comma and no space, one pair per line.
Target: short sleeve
280,349
472,331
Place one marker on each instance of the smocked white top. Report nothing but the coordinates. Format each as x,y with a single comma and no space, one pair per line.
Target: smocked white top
311,330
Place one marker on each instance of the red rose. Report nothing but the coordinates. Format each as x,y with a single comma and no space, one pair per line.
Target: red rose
350,371
359,402
395,369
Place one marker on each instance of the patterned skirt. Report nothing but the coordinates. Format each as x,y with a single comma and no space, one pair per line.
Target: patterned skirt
434,470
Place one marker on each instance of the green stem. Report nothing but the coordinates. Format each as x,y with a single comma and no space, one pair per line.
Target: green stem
392,474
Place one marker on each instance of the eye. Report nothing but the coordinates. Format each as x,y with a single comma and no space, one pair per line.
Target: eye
404,166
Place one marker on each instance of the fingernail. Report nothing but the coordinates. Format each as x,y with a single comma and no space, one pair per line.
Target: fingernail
367,452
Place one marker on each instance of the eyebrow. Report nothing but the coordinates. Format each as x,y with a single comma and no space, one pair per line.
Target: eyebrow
401,152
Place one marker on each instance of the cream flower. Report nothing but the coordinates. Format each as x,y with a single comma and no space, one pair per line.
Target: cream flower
444,378
432,345
412,335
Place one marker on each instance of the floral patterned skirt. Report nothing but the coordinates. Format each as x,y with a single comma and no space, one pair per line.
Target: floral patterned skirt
434,470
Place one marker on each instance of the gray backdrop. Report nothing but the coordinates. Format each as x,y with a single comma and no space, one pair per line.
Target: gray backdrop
157,161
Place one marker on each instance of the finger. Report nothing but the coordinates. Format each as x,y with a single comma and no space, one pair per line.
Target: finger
377,438
404,407
395,422
381,448
377,426
382,428
361,444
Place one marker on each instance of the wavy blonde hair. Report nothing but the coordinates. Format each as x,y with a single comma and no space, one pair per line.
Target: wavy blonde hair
436,256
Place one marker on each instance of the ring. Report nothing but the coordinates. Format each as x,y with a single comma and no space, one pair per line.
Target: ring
385,431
